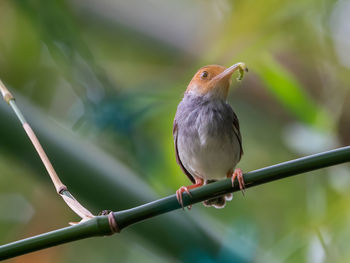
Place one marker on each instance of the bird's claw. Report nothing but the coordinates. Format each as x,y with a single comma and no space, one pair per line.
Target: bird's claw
239,175
179,198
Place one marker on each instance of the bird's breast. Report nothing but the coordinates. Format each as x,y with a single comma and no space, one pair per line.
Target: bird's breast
207,144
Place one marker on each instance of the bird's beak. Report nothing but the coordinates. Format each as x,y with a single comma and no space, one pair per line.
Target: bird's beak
225,76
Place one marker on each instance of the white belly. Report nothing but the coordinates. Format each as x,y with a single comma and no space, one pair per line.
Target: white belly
210,158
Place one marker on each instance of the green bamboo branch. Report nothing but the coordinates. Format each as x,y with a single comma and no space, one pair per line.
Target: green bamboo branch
100,225
103,176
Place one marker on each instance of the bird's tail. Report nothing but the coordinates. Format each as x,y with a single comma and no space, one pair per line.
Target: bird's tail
217,202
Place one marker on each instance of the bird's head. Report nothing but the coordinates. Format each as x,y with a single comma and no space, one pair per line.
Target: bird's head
214,80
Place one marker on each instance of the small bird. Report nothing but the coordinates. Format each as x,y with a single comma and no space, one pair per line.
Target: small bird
207,138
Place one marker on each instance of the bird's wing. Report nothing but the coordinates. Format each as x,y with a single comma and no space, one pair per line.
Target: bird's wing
237,132
175,133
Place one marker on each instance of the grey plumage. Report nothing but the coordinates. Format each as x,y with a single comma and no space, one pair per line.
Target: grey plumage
207,139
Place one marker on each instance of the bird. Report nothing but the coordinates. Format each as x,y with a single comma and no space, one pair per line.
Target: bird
206,132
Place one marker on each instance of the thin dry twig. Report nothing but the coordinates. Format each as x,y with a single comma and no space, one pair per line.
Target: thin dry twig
60,187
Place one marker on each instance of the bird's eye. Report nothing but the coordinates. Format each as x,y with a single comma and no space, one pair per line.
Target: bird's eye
204,74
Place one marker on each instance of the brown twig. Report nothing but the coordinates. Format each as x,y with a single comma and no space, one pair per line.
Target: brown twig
60,187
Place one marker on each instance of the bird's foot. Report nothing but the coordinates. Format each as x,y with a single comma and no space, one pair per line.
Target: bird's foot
239,175
179,193
182,189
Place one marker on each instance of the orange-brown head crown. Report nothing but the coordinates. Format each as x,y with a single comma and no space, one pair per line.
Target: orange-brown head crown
213,80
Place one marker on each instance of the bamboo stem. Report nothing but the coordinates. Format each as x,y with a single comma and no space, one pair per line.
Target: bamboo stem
254,178
100,226
97,226
52,173
61,189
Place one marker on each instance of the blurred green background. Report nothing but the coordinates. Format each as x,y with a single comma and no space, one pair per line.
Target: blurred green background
100,82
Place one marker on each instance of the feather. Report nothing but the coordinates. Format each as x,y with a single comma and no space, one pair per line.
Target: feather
237,132
177,154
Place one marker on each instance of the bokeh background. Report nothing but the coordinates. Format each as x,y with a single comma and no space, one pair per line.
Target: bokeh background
100,82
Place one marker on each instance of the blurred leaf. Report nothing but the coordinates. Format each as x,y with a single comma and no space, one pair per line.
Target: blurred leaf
285,87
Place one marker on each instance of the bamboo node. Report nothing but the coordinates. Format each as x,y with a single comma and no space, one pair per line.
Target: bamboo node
61,189
113,224
5,93
8,97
